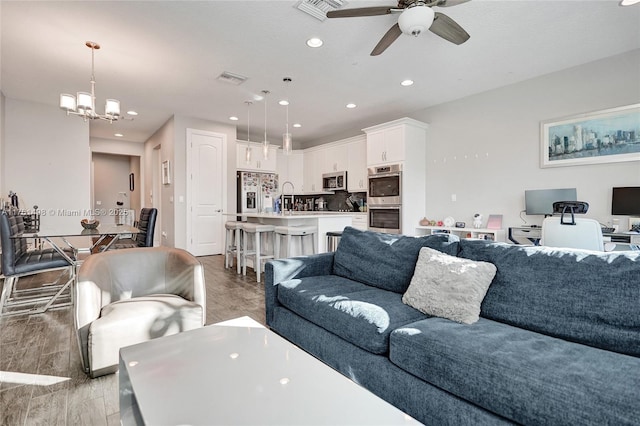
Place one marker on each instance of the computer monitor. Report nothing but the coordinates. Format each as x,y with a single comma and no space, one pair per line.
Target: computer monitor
540,201
625,201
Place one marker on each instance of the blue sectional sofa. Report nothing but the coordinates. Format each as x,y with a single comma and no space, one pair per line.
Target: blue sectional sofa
557,341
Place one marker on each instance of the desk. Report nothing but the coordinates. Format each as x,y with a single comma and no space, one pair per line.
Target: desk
535,234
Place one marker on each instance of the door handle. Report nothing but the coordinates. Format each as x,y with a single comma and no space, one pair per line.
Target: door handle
219,211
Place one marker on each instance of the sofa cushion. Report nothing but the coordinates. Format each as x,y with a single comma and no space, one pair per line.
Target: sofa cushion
449,287
386,261
524,376
361,314
585,297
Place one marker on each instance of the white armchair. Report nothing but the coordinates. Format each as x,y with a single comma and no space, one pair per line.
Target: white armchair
125,297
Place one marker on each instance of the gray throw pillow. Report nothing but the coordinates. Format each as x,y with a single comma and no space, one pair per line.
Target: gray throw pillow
449,287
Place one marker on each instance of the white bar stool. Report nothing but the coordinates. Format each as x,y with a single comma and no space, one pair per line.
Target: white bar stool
233,243
295,231
256,230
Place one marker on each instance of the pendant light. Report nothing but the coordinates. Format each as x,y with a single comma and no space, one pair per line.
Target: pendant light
265,142
247,152
287,143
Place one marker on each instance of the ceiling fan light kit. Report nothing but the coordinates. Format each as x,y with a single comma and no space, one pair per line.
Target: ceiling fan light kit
415,20
416,16
83,104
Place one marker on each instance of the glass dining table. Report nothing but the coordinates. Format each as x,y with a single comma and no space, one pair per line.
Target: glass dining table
74,250
104,236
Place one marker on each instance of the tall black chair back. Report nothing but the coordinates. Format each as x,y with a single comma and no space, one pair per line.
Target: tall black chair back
146,225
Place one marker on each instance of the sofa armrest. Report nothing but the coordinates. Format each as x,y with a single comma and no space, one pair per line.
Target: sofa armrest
279,270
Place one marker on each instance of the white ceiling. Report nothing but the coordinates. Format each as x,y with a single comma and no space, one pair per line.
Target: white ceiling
162,58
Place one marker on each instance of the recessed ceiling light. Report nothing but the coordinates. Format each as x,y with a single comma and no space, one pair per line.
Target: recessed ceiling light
119,135
283,102
351,105
233,118
297,125
132,113
628,2
314,42
406,82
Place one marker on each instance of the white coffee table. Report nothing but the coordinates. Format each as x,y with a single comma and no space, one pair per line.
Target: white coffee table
239,373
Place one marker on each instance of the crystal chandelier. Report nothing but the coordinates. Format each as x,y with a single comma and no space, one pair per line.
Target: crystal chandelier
84,103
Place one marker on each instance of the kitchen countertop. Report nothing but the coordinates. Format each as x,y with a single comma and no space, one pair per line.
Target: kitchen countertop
295,215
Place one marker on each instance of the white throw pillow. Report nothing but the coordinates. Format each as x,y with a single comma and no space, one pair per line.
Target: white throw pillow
449,287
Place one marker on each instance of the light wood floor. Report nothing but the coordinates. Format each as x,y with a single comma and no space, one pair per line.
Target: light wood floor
43,348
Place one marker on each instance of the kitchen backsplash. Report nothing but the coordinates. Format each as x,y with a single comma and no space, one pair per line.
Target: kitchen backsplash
339,201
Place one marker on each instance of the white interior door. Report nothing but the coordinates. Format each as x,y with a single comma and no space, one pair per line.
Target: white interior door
207,181
155,195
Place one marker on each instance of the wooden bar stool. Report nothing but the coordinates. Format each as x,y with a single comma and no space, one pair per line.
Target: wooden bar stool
259,255
233,244
301,231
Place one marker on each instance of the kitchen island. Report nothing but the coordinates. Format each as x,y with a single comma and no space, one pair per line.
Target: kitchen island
325,221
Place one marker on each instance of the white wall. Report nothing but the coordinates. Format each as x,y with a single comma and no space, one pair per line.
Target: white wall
3,193
47,161
485,148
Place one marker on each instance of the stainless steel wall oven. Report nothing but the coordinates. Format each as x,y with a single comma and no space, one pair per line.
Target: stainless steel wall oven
385,198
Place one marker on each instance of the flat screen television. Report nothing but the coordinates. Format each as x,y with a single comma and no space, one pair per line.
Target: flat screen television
540,201
625,201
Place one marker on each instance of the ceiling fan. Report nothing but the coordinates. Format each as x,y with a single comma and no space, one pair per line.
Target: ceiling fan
415,17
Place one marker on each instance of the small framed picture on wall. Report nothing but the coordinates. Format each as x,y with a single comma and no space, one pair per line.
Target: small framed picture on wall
166,172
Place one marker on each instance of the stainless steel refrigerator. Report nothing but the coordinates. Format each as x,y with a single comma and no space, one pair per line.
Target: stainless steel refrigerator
256,191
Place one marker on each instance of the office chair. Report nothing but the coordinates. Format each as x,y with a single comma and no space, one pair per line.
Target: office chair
579,233
146,225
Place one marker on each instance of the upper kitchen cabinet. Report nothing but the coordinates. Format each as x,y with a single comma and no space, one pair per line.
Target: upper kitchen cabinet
395,141
313,160
335,159
258,163
290,169
357,165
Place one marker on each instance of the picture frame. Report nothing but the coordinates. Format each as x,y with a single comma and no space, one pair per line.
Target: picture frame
606,136
166,172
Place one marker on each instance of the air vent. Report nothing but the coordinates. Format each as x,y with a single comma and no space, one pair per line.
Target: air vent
319,8
235,79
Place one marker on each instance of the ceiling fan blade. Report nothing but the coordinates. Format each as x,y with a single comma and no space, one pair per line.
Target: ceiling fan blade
386,40
449,3
448,29
362,11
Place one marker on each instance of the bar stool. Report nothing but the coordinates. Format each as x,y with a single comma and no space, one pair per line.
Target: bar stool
295,231
233,243
256,230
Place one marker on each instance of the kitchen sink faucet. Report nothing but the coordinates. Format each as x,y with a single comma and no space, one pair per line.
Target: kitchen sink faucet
292,195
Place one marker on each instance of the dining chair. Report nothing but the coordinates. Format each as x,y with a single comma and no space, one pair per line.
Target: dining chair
146,226
20,261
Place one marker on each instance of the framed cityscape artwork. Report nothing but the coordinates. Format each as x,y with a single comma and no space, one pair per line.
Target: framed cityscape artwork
606,136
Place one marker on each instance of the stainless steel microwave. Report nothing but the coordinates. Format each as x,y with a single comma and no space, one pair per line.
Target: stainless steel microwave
334,181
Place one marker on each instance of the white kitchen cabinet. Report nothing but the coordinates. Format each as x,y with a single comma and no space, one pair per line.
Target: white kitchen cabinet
357,166
386,145
335,159
258,163
360,221
289,168
312,173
